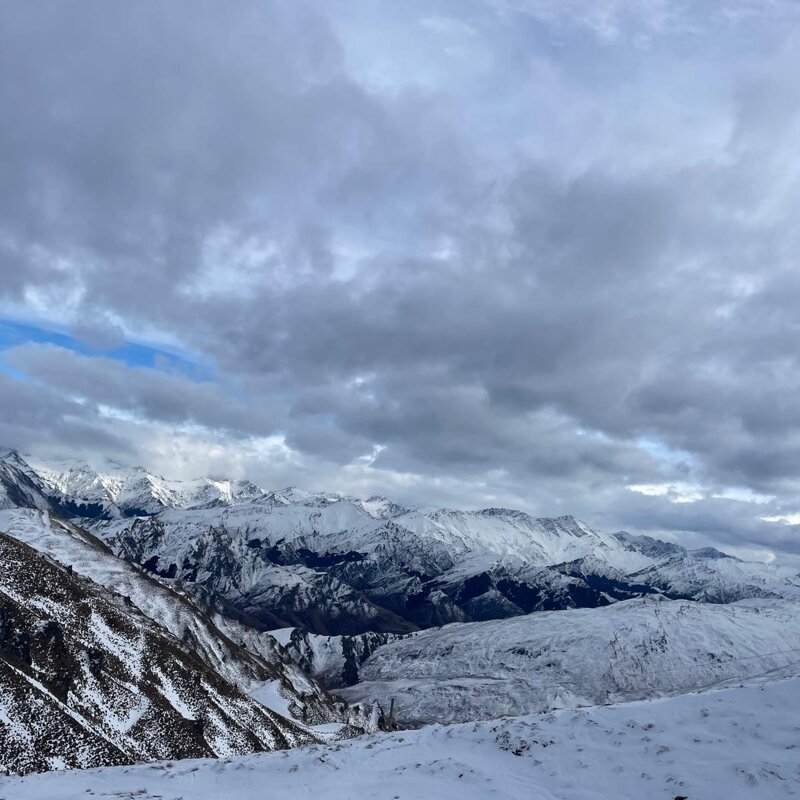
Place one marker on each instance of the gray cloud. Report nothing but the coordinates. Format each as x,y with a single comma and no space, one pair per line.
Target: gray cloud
523,252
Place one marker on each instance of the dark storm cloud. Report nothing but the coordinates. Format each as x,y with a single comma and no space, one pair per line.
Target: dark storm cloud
519,252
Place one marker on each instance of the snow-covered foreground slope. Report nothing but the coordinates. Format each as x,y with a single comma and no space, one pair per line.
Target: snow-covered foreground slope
631,650
737,744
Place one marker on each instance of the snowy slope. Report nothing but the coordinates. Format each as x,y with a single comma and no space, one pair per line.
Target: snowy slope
738,744
631,650
179,614
87,679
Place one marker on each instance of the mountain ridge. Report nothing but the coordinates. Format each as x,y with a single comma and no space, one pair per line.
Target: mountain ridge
337,565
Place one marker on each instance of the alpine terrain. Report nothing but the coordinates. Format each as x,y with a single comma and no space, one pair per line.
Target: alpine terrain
143,618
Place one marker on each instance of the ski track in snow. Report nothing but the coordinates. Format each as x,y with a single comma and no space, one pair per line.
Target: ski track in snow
734,743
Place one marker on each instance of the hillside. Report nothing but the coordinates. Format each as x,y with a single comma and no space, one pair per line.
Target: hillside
87,679
631,650
179,614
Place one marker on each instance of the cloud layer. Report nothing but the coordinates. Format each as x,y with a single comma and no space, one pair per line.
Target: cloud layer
509,252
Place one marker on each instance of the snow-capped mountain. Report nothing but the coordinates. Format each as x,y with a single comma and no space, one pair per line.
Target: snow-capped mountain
336,565
631,650
117,491
20,486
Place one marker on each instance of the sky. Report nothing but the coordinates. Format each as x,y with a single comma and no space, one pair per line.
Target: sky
539,254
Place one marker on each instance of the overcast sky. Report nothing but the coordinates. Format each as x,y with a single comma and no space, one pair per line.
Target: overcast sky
532,253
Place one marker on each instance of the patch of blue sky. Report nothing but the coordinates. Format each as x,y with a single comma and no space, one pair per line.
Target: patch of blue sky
14,333
664,453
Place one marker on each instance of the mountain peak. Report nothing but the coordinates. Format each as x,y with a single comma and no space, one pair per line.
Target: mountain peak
11,456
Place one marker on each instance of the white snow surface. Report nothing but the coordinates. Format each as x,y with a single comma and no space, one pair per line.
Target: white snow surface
738,744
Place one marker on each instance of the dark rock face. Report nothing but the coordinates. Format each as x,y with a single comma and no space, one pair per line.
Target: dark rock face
335,660
15,645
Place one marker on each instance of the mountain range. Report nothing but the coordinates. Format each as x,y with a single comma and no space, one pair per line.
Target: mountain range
337,565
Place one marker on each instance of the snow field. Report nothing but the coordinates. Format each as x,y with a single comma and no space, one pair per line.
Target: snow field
740,743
